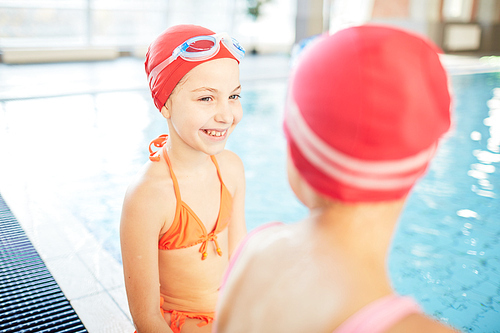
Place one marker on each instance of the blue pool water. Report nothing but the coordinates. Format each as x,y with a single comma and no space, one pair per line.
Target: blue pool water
76,158
446,251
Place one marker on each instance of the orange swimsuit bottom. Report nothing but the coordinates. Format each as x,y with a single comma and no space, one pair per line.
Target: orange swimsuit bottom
187,230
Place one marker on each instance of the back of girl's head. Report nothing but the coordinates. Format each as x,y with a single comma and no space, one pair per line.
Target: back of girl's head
163,82
366,108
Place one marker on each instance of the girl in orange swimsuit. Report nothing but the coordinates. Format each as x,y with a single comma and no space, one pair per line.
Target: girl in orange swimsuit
184,213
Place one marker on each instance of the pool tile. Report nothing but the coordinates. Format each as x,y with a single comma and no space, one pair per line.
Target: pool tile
119,295
103,266
74,278
101,314
50,242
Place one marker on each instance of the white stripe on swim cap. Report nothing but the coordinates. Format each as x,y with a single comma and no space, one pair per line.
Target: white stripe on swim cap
373,175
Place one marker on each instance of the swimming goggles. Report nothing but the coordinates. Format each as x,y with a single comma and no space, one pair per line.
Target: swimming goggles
198,49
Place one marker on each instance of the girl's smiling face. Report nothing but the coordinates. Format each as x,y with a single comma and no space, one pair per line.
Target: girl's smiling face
204,108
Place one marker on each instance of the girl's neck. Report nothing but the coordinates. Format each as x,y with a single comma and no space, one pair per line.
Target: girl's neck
364,231
185,157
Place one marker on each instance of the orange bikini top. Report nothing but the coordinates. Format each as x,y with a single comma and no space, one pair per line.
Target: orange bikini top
187,229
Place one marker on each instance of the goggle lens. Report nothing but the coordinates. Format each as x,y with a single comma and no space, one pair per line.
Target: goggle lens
200,46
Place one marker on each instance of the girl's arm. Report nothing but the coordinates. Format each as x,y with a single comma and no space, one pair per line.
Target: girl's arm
237,227
140,226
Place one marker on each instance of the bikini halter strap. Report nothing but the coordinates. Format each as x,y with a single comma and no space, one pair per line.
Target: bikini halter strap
154,156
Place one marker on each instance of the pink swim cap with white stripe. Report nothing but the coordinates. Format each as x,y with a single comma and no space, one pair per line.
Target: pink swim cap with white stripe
366,108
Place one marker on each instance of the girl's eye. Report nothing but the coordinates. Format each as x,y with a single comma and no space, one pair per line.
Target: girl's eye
206,99
235,96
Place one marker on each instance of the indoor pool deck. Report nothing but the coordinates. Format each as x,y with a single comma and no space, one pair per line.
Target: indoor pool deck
87,274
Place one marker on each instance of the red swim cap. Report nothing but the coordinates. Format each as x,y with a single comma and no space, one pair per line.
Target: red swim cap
365,110
162,48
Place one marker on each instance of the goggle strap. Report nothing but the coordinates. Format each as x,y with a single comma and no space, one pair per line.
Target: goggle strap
160,67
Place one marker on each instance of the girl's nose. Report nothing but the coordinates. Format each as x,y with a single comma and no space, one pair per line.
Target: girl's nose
224,114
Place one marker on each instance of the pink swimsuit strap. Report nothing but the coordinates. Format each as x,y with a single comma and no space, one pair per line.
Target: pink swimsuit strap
380,315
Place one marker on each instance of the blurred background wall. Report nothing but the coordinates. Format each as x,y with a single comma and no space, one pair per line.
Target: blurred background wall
61,30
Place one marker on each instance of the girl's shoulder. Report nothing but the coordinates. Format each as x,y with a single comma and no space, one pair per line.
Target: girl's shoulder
230,165
150,199
151,185
228,157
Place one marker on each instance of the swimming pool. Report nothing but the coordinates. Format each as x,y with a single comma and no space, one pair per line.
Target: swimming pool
76,158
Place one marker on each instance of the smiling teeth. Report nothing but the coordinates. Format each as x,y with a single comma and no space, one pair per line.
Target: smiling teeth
215,133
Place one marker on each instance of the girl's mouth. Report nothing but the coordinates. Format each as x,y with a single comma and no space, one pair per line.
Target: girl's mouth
215,133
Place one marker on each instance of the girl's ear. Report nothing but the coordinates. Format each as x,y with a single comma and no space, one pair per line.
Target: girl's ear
165,111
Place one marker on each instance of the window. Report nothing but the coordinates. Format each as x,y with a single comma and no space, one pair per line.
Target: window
56,23
457,10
